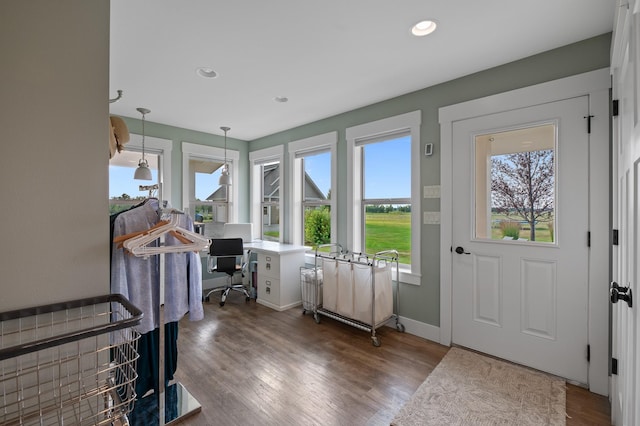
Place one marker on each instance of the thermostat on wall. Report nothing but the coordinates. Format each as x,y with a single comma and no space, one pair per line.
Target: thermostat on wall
428,149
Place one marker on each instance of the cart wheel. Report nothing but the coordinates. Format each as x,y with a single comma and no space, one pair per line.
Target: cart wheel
206,299
304,312
221,303
400,327
247,299
317,318
376,341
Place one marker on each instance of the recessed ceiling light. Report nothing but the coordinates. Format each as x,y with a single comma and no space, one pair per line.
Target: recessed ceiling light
423,28
205,72
281,99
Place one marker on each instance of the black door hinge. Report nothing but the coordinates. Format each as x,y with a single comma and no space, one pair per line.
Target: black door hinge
589,239
614,237
615,105
614,366
588,353
588,117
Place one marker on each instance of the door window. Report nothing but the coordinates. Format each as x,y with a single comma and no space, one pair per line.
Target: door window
515,186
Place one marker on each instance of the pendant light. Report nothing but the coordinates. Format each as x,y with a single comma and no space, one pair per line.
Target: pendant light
225,177
143,172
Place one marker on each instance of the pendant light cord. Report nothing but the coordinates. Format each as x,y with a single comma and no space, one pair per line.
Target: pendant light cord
143,115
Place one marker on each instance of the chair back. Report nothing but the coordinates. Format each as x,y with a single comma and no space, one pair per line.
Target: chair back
226,252
226,247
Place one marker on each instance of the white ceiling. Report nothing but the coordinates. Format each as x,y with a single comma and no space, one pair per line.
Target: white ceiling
327,57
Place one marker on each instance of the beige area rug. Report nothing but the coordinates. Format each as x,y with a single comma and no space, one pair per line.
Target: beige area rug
471,389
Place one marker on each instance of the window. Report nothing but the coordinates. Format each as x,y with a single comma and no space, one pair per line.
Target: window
124,191
313,174
386,205
383,189
210,204
266,181
515,185
270,200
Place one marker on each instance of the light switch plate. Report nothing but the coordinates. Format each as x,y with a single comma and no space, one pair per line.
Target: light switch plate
431,218
432,191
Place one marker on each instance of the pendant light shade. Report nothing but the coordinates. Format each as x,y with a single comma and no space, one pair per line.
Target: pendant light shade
225,177
143,172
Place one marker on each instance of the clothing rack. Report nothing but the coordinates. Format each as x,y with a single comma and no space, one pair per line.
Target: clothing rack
139,244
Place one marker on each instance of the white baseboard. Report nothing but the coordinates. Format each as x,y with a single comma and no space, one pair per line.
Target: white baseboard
278,308
417,328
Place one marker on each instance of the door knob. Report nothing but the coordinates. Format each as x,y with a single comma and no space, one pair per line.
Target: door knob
620,293
460,250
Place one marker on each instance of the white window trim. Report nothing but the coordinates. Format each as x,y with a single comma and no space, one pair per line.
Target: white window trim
404,122
214,153
157,146
275,153
326,141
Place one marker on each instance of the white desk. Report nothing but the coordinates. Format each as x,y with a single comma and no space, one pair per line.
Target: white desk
278,273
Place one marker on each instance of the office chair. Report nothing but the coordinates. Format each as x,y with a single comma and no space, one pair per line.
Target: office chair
226,256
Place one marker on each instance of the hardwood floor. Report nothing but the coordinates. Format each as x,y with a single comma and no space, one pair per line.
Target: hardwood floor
250,365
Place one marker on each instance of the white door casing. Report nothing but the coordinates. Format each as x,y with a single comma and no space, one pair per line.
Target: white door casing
595,85
625,339
524,301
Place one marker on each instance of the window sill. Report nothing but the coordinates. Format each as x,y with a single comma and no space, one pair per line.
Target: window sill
408,277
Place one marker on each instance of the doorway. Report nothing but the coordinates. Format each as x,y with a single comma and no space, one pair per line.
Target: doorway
522,317
520,236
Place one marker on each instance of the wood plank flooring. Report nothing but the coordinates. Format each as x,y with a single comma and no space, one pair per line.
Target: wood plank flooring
250,365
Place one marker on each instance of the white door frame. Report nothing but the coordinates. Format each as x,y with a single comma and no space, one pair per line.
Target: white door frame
596,85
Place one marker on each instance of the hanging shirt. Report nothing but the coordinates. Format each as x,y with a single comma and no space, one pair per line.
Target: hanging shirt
138,279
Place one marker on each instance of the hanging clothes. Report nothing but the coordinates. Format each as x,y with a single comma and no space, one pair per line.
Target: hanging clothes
148,362
138,279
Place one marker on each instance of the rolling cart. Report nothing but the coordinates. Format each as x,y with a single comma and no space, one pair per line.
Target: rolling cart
69,363
357,288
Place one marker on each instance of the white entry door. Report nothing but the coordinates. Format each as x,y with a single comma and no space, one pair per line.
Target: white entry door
520,236
625,339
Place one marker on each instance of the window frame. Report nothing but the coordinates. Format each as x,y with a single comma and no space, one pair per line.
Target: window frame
326,142
156,146
408,123
257,159
191,150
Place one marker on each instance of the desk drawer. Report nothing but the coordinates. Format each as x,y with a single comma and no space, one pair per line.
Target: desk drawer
269,289
268,264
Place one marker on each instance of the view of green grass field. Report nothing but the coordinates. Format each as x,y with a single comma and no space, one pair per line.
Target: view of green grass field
389,231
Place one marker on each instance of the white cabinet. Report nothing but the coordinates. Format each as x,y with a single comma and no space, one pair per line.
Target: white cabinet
278,273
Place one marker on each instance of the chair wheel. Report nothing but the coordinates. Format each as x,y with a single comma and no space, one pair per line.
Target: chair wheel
221,303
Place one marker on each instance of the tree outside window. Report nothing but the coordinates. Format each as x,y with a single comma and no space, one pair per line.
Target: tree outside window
316,198
515,184
522,186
